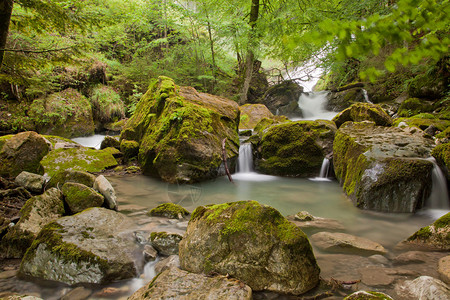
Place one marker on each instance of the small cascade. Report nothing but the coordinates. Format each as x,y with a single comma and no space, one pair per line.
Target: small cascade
325,168
439,193
366,96
245,161
313,106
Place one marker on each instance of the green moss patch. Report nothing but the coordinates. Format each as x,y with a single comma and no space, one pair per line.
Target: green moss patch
423,124
168,210
359,112
77,159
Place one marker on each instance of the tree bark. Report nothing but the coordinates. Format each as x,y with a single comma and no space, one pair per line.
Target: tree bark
6,7
250,57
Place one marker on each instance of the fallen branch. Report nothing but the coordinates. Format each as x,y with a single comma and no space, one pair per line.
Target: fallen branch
224,158
347,87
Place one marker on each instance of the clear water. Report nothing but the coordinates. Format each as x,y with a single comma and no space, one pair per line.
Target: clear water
287,195
93,141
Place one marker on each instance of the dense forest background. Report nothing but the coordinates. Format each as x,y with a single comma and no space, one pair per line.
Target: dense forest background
232,48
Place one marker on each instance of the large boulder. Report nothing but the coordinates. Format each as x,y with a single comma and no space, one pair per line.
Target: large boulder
251,242
295,148
95,246
67,113
436,235
180,132
77,159
363,112
283,98
61,177
251,114
22,152
178,284
340,100
383,168
34,215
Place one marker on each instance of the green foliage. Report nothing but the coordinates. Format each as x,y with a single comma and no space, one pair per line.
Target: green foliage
107,105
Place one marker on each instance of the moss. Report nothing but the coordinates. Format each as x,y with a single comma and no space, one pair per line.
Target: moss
168,210
443,221
359,112
444,134
442,154
79,197
53,139
129,149
423,233
413,106
59,178
77,159
106,104
423,124
158,235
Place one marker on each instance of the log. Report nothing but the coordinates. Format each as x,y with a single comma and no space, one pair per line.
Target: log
347,87
224,158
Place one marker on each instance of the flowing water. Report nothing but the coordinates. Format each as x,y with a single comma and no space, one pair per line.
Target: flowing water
313,106
93,141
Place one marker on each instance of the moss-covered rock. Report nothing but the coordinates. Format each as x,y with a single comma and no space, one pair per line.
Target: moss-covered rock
107,107
414,106
130,149
383,168
165,243
338,101
436,235
442,155
67,114
428,86
295,148
180,132
251,242
22,152
110,141
363,112
168,210
79,197
77,159
280,96
34,215
423,123
60,178
94,246
251,114
363,295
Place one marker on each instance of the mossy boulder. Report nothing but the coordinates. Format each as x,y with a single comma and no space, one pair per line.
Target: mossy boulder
130,149
251,242
436,235
363,295
107,107
423,123
174,283
280,97
414,106
77,159
442,155
34,215
363,112
94,246
79,197
429,86
67,113
295,148
338,101
22,152
166,243
180,132
251,114
110,141
60,178
383,168
168,210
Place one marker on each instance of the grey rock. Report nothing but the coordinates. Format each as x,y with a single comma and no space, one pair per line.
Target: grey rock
105,188
102,249
150,253
345,243
165,243
78,293
444,269
32,182
172,261
177,284
79,197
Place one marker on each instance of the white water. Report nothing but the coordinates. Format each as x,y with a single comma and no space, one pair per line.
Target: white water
147,275
366,96
313,106
439,198
245,170
324,170
93,141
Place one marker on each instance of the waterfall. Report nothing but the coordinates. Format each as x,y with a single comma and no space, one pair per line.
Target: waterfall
313,106
439,193
366,96
245,161
325,168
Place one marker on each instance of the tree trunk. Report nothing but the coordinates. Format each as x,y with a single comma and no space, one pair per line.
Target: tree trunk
6,7
248,71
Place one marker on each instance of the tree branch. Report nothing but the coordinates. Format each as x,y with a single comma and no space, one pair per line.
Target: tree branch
35,51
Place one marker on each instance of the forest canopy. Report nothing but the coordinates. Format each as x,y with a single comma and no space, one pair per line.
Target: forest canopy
215,46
